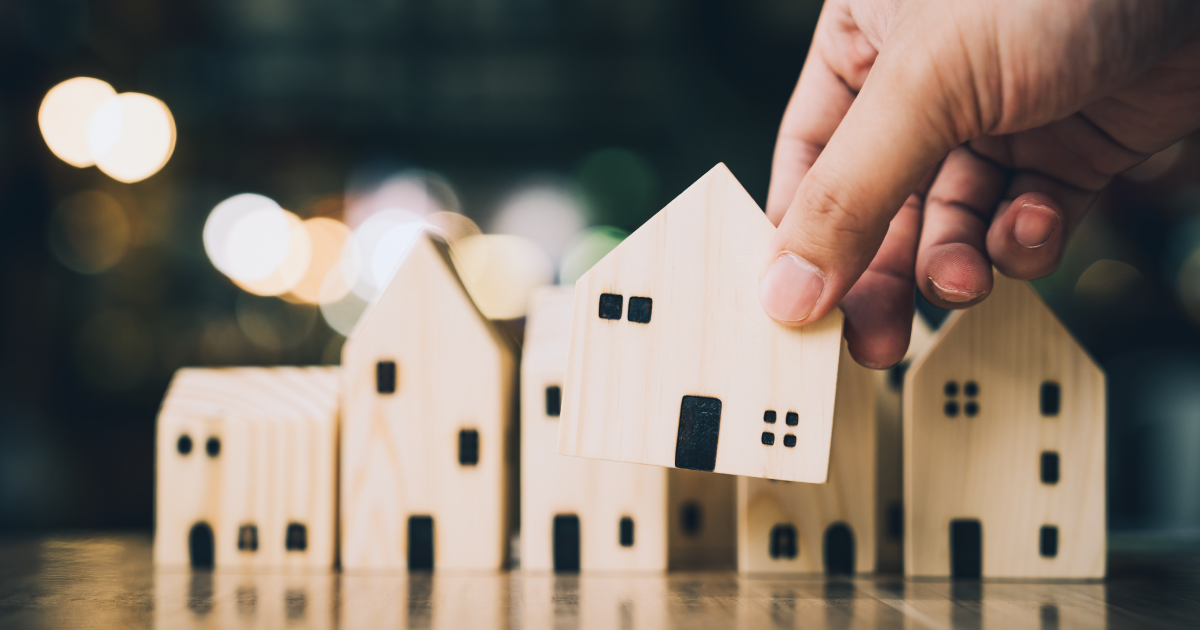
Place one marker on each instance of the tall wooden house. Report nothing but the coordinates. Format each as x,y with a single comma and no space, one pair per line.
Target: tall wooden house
246,468
577,514
428,448
1004,438
673,361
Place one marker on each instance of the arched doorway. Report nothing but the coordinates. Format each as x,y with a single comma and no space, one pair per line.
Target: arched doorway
200,546
839,550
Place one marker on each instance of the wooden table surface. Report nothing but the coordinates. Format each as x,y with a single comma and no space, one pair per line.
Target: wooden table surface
107,581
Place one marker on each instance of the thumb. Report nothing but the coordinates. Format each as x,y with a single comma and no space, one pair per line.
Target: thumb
894,133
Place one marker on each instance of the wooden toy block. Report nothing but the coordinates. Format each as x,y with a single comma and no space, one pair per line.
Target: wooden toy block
888,386
1004,437
701,520
673,361
427,452
786,527
577,514
245,470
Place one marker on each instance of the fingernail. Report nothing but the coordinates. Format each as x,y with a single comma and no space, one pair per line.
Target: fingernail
790,289
1034,225
953,295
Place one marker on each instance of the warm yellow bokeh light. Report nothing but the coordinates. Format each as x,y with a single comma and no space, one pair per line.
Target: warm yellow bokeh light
501,271
90,232
65,114
326,237
291,270
131,136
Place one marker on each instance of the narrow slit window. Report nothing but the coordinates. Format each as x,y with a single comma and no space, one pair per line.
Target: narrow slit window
691,518
626,533
1050,398
639,309
611,305
783,542
297,537
385,377
468,447
553,401
1048,541
1049,467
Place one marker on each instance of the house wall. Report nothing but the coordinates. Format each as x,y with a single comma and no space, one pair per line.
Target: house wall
600,493
709,542
987,467
849,496
399,452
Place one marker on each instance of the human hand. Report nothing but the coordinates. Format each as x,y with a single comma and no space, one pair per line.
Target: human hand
928,140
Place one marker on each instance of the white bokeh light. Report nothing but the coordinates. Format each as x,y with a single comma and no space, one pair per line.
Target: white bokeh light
549,214
501,271
131,136
65,114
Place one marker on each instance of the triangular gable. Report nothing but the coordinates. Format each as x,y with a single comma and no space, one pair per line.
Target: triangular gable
693,269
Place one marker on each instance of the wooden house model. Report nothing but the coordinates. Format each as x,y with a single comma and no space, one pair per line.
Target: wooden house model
427,451
701,521
577,514
673,361
1004,438
850,524
246,469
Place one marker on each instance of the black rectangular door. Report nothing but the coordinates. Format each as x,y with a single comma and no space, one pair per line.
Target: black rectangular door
966,549
566,543
420,542
699,428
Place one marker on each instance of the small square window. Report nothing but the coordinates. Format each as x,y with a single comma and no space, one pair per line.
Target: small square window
184,445
951,388
611,305
782,544
1049,467
971,409
971,388
769,417
468,447
553,401
951,409
789,440
626,533
1050,396
247,538
792,419
297,537
1048,543
385,377
639,309
768,438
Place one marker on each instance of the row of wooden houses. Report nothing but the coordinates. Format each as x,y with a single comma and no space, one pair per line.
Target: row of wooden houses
434,447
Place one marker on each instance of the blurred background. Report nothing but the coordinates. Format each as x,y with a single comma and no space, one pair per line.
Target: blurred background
247,212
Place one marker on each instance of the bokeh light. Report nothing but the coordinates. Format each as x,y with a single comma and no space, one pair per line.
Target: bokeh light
1106,279
239,217
65,114
547,213
131,136
418,192
378,246
297,257
326,239
586,250
620,187
501,271
89,232
452,226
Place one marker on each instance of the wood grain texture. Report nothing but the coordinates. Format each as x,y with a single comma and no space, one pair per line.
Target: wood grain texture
889,421
399,452
698,260
701,520
600,493
987,467
276,465
849,497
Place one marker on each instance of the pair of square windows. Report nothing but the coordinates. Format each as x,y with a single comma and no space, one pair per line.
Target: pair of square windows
611,305
295,539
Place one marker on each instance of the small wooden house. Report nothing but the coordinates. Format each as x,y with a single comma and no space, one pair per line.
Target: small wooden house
701,521
577,514
1004,438
428,454
246,468
673,361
